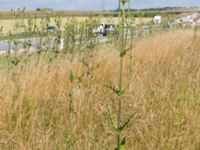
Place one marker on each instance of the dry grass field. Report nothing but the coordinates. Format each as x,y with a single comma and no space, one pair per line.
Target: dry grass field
164,75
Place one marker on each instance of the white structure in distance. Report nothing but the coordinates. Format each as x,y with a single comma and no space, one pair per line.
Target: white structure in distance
157,19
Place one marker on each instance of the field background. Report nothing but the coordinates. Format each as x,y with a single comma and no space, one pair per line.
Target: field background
9,24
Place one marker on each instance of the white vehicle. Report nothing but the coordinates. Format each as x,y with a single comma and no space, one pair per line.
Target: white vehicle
190,19
104,29
99,29
157,19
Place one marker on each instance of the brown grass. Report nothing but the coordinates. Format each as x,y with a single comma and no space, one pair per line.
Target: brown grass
164,92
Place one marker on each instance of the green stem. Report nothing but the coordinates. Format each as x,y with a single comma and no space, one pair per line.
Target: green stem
120,79
123,21
129,9
119,102
119,10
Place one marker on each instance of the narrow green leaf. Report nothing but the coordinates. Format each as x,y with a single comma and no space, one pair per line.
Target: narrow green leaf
113,88
120,93
85,63
123,144
71,76
125,124
123,53
113,120
123,141
71,100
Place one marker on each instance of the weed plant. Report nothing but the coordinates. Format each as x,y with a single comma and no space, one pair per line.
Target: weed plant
54,99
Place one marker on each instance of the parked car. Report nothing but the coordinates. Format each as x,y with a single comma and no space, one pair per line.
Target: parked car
105,29
109,29
52,29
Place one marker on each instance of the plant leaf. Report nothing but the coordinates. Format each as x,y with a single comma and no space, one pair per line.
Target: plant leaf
125,124
120,93
83,61
123,143
71,76
113,88
112,119
71,99
123,53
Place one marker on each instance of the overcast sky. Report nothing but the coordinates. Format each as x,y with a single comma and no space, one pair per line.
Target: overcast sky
91,4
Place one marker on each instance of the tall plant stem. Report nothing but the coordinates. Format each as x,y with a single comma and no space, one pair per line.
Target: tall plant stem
119,102
122,30
122,49
129,9
119,7
119,11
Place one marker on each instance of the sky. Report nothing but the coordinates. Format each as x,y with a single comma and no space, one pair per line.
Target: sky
91,4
